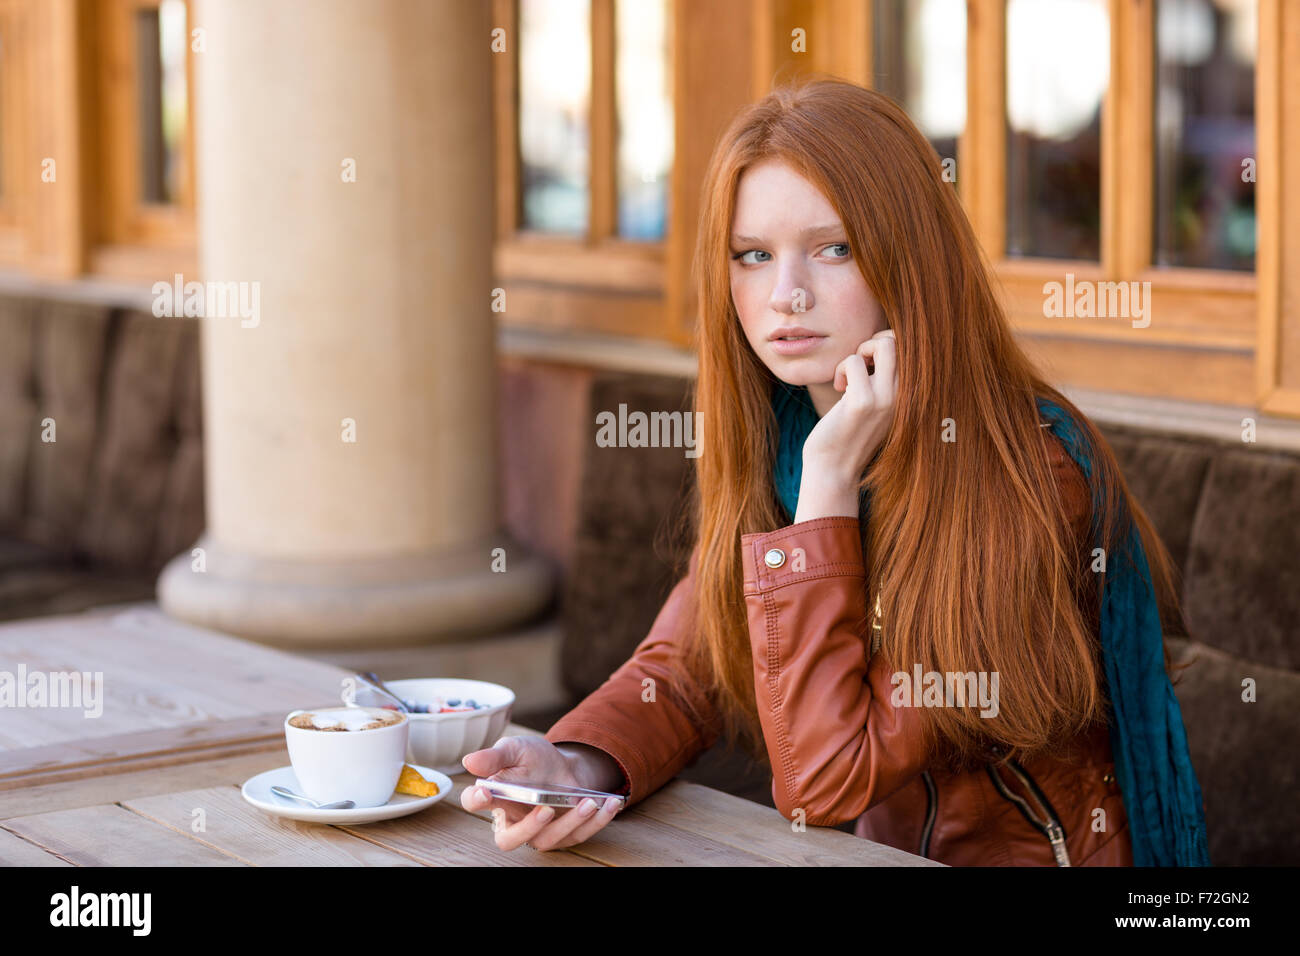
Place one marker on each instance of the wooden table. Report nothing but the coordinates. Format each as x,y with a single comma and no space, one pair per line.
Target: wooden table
188,715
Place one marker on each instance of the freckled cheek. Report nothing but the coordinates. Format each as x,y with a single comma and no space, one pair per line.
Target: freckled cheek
855,309
749,302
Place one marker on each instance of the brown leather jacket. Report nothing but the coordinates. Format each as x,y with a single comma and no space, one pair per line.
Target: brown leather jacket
838,749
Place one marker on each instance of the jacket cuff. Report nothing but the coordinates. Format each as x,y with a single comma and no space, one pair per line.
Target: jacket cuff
579,732
820,547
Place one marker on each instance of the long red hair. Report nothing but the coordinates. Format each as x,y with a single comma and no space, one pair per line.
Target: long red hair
967,541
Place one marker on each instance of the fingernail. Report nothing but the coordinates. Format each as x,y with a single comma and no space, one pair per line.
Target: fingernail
588,807
545,813
611,804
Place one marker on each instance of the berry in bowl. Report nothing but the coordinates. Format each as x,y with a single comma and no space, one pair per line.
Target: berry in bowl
451,717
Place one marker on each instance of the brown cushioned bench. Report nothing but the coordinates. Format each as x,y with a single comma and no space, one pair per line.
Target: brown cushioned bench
91,517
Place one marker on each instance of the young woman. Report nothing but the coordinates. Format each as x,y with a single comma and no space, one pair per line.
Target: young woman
919,587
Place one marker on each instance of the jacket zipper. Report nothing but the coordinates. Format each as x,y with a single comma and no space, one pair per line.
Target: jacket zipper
931,811
1055,832
1050,826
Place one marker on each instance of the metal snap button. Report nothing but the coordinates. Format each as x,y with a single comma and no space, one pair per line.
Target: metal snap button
774,558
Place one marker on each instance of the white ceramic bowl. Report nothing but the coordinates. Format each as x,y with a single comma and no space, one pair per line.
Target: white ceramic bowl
441,740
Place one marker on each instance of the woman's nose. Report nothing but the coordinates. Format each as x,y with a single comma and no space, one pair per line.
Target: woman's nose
791,295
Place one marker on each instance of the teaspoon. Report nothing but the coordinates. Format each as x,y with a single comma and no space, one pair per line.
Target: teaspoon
289,794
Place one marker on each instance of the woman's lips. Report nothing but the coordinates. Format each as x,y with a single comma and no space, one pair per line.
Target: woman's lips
797,346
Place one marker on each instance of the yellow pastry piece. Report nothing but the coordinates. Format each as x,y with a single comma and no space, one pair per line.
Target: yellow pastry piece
411,782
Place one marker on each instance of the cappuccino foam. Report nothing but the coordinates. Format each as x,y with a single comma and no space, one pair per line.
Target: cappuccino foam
345,719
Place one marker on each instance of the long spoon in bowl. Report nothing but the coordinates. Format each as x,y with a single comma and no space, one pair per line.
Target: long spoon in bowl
371,680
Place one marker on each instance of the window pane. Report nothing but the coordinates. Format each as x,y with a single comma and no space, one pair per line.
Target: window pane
1205,134
161,46
1058,65
919,57
645,117
554,110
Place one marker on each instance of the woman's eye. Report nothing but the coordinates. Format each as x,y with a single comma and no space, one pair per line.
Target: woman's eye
840,245
752,252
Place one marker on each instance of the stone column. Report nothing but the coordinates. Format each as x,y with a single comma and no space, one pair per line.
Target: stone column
345,181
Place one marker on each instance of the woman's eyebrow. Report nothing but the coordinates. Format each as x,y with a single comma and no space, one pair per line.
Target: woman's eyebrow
827,229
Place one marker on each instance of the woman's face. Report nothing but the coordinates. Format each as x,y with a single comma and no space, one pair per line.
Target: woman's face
792,272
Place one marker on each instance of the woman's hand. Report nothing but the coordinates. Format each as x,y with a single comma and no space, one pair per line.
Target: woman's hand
839,447
535,760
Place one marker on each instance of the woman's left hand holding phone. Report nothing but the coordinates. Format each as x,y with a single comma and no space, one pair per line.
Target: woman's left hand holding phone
535,760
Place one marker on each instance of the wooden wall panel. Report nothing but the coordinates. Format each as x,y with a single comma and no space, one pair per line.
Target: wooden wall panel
712,79
1278,207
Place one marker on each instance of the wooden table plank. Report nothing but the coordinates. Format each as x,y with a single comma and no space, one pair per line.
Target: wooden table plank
157,672
15,851
634,839
113,788
763,831
113,836
234,826
447,836
120,753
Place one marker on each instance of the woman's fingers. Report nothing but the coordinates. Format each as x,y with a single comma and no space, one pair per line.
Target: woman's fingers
857,381
885,355
575,825
473,799
525,830
477,799
592,825
506,752
547,828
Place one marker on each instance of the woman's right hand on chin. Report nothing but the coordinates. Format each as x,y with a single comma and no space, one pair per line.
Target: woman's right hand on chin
537,761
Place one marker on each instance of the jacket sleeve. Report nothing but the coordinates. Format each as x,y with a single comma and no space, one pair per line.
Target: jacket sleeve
836,744
635,716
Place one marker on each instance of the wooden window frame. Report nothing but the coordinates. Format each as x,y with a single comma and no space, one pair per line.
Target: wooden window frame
70,97
600,282
1205,322
1277,109
13,131
1217,336
133,239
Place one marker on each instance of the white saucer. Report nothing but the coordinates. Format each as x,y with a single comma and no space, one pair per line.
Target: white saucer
257,791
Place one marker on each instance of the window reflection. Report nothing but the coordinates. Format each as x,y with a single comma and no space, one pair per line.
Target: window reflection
1204,131
1058,64
554,111
919,58
645,117
161,45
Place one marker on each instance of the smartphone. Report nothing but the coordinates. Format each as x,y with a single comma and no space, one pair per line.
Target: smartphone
550,795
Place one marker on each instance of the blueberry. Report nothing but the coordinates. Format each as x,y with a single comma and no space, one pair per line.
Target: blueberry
470,703
454,702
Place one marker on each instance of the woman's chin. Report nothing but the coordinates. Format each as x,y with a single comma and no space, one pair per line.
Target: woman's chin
794,372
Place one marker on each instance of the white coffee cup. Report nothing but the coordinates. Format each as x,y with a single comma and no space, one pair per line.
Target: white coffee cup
358,765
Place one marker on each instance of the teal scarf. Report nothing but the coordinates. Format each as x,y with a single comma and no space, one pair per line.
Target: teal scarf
1162,797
